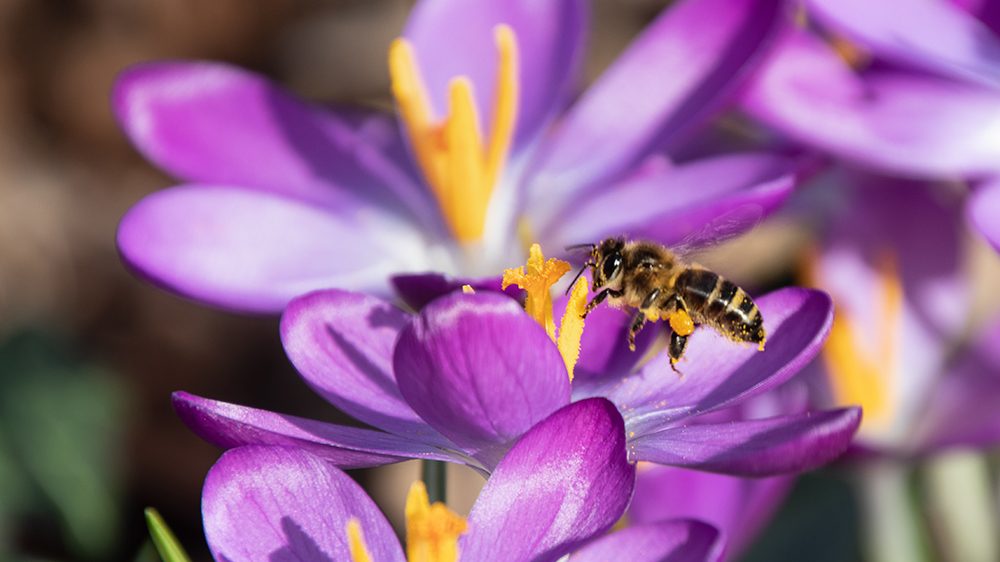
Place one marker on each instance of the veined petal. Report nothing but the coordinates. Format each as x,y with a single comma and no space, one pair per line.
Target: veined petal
252,251
934,34
720,196
679,71
679,540
564,482
902,122
279,503
228,426
480,371
215,123
766,447
342,345
455,38
719,373
740,507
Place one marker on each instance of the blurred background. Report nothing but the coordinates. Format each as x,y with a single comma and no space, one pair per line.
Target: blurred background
89,355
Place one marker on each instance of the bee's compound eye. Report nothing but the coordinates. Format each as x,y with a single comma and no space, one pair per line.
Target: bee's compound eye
611,266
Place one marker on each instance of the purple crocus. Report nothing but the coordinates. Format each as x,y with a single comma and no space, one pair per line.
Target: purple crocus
466,377
565,482
892,263
905,87
281,197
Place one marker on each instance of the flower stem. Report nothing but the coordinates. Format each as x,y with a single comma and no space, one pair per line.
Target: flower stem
890,519
435,477
962,506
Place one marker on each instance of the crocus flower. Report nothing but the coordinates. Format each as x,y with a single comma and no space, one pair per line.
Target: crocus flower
468,375
921,99
565,482
281,197
891,262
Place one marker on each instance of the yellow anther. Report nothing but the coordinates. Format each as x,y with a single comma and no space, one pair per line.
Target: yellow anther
571,328
460,171
467,289
681,322
537,282
431,530
863,376
356,542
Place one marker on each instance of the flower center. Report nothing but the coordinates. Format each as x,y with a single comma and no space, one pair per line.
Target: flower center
459,169
431,531
863,374
538,283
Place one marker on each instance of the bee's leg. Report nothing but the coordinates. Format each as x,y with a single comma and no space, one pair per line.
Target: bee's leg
650,300
599,299
637,321
676,350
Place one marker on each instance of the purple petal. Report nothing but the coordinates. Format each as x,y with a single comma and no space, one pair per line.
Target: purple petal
564,482
481,371
251,251
215,123
740,507
724,196
664,541
277,503
933,34
962,409
679,71
604,352
418,289
228,426
905,123
984,211
718,373
342,344
455,38
765,447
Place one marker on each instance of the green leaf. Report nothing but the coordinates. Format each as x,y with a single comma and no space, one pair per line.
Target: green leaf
63,421
166,543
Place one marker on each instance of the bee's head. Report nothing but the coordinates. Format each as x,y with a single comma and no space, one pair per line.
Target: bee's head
606,262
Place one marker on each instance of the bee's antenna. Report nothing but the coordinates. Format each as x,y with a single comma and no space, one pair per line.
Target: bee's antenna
578,246
578,274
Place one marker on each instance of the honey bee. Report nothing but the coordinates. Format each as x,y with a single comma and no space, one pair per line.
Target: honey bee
652,279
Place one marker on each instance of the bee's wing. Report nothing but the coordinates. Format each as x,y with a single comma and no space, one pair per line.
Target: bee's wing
720,229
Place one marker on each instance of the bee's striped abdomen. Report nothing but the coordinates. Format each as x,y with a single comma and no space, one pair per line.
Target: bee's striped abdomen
716,301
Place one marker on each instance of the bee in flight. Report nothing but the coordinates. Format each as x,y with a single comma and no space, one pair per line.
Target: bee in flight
650,278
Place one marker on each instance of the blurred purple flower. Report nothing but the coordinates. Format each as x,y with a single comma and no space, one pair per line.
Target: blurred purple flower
564,483
465,378
922,99
892,262
281,197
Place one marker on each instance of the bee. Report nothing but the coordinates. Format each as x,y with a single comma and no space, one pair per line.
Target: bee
652,279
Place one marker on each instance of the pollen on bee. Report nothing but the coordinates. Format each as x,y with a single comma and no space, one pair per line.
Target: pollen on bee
760,346
681,323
